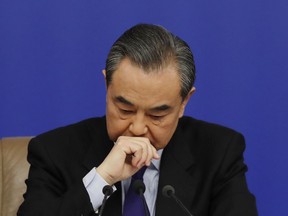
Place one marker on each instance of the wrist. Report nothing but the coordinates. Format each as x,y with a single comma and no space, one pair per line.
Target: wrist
108,178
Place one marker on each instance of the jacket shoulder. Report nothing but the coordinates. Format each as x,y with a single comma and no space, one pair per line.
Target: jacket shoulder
202,136
71,138
79,129
200,127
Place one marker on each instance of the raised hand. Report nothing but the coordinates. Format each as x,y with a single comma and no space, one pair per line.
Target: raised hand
127,156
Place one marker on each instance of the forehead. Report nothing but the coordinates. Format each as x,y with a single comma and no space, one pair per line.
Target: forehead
133,83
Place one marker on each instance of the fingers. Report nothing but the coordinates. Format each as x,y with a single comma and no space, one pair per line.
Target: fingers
139,149
127,156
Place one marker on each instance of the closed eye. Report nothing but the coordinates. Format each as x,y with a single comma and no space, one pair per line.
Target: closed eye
127,112
157,117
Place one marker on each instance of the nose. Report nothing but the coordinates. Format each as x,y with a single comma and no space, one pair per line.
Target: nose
138,125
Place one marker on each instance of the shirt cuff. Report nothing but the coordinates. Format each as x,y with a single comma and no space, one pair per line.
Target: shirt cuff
94,184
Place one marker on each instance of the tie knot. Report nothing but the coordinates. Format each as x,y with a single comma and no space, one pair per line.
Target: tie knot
140,173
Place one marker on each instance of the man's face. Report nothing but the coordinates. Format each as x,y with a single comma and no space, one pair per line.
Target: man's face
144,105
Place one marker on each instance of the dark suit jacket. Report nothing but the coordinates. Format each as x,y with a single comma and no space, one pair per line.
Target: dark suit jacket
203,162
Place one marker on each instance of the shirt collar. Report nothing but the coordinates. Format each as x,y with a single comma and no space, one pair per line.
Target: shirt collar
156,163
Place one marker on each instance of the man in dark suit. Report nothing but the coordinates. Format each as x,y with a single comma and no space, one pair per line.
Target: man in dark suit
150,77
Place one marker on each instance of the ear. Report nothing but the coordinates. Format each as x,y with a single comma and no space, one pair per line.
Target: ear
104,74
185,101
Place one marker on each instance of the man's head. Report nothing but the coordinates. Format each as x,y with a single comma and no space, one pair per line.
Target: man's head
149,75
151,48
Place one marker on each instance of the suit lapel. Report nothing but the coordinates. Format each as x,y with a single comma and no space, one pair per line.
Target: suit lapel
176,167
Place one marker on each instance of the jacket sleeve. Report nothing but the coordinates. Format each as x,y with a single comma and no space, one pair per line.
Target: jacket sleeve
230,195
48,192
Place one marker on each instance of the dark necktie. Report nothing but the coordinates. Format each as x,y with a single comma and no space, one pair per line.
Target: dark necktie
133,205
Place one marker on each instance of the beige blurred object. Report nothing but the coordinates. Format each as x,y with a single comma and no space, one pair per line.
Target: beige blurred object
14,171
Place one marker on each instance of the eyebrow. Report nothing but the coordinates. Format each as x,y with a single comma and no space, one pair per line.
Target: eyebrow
160,108
123,101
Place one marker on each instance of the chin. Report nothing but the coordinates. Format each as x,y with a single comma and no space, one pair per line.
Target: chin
158,147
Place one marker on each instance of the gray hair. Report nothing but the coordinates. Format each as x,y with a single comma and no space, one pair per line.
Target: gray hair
152,47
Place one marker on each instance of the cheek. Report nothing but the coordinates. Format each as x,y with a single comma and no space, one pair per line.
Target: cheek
115,126
162,135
